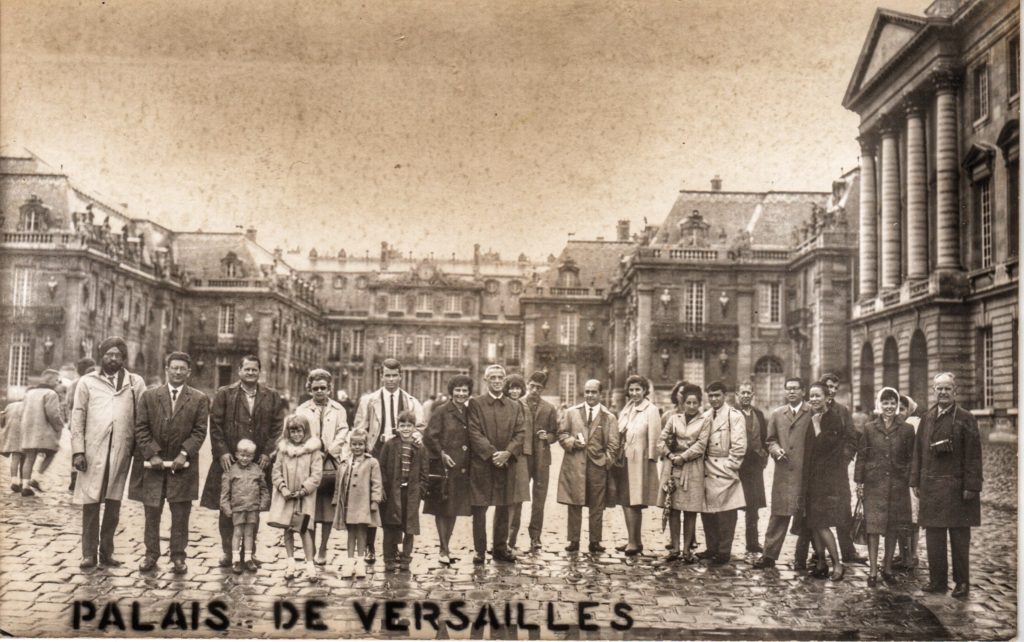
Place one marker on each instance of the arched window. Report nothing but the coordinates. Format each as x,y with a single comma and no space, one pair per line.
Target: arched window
867,377
768,381
919,369
891,364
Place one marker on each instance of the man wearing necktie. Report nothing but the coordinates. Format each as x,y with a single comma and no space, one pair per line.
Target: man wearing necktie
589,436
170,429
378,415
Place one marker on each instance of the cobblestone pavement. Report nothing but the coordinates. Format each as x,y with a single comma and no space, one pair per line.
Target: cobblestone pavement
40,578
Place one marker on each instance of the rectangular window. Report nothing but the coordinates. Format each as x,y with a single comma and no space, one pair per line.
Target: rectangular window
451,348
769,306
693,366
424,302
567,326
988,371
358,342
517,347
393,345
1013,208
19,360
1013,66
453,304
492,350
693,312
22,287
396,302
981,92
226,322
984,195
334,345
87,346
567,385
126,311
422,345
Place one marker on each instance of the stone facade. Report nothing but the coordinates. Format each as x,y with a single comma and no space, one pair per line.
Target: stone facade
938,98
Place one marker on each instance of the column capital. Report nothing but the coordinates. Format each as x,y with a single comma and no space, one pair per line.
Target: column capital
889,125
946,78
868,141
913,105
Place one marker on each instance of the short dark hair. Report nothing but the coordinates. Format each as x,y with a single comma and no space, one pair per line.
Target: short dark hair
798,380
250,357
177,356
831,376
539,377
84,366
458,381
641,381
514,381
390,364
406,416
684,389
715,386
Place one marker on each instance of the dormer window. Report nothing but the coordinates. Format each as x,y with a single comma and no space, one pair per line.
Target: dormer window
693,231
231,266
568,274
35,217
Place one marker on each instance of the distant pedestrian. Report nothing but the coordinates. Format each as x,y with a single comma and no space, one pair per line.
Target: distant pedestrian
41,424
946,475
10,442
358,496
243,494
403,469
296,474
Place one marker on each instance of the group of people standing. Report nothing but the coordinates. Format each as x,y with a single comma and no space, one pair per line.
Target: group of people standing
317,469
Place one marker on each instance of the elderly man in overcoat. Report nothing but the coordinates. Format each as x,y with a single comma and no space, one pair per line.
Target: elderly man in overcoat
496,435
102,441
169,430
589,436
945,473
723,490
787,437
242,410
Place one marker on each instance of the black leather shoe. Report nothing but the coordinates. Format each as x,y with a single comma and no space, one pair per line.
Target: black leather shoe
34,484
756,548
872,581
110,561
704,555
934,588
237,568
225,562
632,552
370,558
504,556
148,564
961,589
479,559
535,545
178,567
27,492
719,560
250,566
764,562
88,562
15,488
595,547
572,547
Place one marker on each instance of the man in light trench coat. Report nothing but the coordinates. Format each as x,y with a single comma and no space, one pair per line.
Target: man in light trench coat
102,440
723,489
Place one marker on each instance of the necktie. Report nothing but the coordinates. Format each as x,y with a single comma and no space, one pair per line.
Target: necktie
174,398
392,411
590,416
714,414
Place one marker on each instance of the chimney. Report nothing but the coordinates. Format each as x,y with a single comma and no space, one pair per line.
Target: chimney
716,183
250,233
623,230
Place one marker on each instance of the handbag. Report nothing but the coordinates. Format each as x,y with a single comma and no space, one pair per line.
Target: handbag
330,473
859,529
299,522
437,481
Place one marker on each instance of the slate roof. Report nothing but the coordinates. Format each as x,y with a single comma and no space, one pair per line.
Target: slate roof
598,261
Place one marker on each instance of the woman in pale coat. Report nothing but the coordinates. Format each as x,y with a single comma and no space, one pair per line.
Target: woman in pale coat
357,499
296,474
682,443
635,479
329,422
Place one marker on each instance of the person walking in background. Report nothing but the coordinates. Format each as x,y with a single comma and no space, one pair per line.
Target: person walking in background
787,443
169,430
589,436
242,410
329,423
40,426
882,474
755,460
946,475
10,442
635,479
447,443
682,443
723,490
102,442
544,419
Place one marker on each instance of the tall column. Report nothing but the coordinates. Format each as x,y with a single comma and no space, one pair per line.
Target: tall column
868,220
890,209
947,170
529,344
917,193
643,332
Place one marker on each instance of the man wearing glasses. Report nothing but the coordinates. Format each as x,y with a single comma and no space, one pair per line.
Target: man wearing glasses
787,434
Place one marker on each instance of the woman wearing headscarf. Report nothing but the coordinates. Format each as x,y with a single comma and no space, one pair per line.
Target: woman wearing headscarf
635,479
882,474
329,423
682,443
447,442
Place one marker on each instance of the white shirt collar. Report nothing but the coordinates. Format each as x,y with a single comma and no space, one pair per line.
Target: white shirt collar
172,389
495,396
796,408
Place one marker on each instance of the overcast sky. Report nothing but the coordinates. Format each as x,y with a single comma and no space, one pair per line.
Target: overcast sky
430,124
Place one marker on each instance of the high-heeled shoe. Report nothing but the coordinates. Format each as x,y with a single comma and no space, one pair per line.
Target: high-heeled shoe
621,547
872,581
819,572
633,551
838,572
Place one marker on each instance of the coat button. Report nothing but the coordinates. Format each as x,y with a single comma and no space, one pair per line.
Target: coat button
465,447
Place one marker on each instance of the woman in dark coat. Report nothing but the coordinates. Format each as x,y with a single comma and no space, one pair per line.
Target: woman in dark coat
447,443
882,474
824,472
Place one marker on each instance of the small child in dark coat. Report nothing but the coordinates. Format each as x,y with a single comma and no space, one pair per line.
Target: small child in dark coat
403,468
244,493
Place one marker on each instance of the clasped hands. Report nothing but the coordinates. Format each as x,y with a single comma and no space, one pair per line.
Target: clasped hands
500,458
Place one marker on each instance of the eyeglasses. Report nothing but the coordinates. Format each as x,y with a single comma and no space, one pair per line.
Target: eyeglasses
318,388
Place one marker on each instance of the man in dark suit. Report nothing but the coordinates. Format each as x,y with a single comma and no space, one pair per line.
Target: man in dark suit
755,460
787,435
496,433
545,432
169,430
945,473
242,410
843,534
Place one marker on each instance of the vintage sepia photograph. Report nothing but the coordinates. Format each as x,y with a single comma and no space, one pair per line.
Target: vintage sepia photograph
467,319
